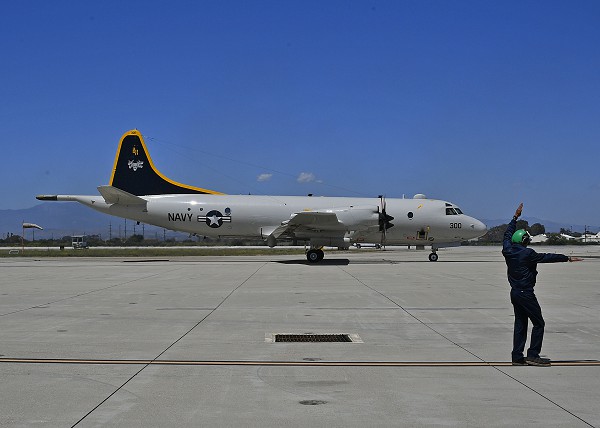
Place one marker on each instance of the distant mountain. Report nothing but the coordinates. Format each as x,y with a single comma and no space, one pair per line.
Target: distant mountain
551,226
66,219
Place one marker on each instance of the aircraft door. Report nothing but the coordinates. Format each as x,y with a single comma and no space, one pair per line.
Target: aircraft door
422,234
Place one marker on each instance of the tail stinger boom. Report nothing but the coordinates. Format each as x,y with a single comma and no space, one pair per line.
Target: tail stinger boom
135,173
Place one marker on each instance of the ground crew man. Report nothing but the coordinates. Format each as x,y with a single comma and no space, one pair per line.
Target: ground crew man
521,263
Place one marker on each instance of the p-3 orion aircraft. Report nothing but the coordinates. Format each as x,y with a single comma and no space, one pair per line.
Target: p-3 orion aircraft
138,191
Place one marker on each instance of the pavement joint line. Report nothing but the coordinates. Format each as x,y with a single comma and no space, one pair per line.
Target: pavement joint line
42,305
569,363
545,397
151,362
425,324
482,360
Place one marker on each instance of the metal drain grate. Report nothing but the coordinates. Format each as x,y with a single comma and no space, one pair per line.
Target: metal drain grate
312,338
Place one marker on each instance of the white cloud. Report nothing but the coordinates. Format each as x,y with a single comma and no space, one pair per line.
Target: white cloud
264,177
305,177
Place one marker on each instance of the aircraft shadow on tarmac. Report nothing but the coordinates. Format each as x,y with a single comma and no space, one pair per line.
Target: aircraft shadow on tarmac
326,262
346,262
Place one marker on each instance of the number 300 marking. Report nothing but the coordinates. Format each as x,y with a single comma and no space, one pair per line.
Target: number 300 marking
455,225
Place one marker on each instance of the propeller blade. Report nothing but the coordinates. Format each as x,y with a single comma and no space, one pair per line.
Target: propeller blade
384,220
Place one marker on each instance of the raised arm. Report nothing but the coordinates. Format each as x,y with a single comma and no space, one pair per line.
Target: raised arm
512,227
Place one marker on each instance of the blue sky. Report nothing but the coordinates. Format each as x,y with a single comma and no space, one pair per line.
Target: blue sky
482,103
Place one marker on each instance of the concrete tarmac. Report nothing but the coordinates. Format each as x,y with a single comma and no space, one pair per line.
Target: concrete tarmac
188,342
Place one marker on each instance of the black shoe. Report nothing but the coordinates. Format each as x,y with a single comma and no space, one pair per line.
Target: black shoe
538,361
519,362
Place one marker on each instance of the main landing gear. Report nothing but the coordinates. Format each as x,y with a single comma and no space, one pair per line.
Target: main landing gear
315,255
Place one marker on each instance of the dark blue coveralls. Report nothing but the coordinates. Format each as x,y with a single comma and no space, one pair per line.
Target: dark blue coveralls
522,263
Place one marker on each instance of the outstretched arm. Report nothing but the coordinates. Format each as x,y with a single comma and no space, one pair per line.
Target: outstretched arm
539,258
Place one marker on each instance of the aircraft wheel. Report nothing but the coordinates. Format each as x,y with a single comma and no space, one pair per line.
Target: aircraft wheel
314,256
321,254
433,257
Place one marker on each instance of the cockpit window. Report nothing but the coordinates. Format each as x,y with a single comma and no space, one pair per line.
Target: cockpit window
453,211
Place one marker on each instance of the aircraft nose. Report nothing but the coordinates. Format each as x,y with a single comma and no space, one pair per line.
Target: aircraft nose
477,227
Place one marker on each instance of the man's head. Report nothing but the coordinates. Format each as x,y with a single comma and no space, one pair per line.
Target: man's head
522,237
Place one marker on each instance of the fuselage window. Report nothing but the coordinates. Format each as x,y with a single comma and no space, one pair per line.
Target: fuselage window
458,211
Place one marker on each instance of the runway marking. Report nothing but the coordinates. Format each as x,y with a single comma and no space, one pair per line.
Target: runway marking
574,363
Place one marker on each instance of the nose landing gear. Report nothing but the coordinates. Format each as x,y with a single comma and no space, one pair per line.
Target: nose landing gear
433,257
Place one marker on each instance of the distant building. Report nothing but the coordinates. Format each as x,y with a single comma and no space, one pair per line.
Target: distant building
568,237
586,237
539,239
589,237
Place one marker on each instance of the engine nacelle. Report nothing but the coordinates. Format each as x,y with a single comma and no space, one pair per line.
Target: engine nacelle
358,217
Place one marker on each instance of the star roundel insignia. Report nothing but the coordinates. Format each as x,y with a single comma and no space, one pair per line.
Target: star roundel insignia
214,219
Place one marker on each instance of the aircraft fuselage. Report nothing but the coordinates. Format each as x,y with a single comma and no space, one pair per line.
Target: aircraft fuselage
416,221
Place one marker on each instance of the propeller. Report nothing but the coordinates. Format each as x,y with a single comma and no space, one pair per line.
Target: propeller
384,220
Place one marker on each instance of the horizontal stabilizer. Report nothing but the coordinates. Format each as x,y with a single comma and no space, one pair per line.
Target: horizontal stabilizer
113,195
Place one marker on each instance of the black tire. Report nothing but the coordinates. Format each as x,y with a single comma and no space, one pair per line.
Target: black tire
321,254
313,256
433,257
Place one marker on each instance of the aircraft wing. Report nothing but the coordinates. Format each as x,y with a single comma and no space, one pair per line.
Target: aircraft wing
313,221
331,223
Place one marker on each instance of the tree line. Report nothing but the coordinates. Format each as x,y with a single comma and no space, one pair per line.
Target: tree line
496,234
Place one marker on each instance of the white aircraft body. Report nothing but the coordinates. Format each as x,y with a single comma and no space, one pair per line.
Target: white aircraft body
138,191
